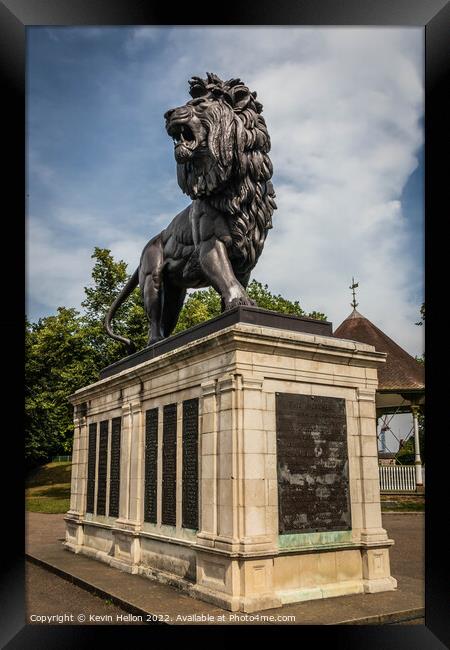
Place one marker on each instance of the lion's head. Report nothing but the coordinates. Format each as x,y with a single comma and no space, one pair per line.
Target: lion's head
221,150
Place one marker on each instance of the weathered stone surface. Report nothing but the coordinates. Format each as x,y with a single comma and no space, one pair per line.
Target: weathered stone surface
312,458
236,558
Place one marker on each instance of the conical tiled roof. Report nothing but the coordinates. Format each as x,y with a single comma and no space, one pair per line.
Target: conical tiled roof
401,371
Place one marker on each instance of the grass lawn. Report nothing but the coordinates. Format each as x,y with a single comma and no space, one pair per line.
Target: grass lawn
402,504
48,488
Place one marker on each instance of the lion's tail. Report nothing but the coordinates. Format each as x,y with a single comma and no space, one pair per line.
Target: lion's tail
123,295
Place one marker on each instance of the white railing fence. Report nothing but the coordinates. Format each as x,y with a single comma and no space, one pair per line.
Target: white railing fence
398,478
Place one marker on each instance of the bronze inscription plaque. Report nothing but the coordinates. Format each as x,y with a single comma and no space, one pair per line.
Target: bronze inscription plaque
190,464
102,468
92,448
114,473
151,465
312,464
169,465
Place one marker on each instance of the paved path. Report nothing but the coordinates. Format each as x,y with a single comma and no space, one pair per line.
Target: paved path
142,596
51,600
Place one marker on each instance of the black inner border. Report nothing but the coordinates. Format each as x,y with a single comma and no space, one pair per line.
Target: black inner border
434,15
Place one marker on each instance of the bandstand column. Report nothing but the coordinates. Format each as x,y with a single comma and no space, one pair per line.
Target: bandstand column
417,459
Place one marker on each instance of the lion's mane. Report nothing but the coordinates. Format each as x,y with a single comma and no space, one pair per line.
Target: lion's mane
240,143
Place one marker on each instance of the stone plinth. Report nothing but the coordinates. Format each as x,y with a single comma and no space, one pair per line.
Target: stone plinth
187,492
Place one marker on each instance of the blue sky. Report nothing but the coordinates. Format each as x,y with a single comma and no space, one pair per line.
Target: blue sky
344,108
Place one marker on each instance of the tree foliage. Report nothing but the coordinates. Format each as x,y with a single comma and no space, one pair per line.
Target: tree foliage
66,351
422,315
58,361
108,278
406,455
205,303
421,359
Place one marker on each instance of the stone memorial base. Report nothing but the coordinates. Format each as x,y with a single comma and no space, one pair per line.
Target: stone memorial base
238,463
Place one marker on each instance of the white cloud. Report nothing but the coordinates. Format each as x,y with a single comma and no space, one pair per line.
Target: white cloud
55,274
57,271
140,38
343,109
343,112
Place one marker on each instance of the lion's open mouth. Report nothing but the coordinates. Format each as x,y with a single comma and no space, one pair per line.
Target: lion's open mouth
182,134
184,139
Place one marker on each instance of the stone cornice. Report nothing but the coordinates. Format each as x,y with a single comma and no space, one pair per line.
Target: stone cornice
242,337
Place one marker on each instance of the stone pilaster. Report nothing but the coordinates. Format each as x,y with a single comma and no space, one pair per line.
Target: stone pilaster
372,529
74,528
136,465
82,466
229,464
125,465
375,552
75,484
259,469
126,539
208,463
238,469
97,449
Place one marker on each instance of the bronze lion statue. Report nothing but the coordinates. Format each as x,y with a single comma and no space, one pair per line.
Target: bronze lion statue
221,151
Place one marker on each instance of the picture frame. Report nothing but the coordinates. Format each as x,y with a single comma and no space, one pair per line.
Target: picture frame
16,17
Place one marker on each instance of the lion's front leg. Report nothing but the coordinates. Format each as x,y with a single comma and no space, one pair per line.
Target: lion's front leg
217,267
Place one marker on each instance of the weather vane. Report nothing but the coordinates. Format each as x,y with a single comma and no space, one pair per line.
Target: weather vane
353,286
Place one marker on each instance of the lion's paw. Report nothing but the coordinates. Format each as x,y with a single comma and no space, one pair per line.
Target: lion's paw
238,302
154,340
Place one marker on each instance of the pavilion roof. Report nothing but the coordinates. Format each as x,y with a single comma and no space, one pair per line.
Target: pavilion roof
401,371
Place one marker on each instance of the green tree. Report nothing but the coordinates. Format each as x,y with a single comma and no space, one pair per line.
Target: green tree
406,454
421,420
422,315
58,361
67,350
205,303
421,359
108,278
198,307
421,417
275,302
